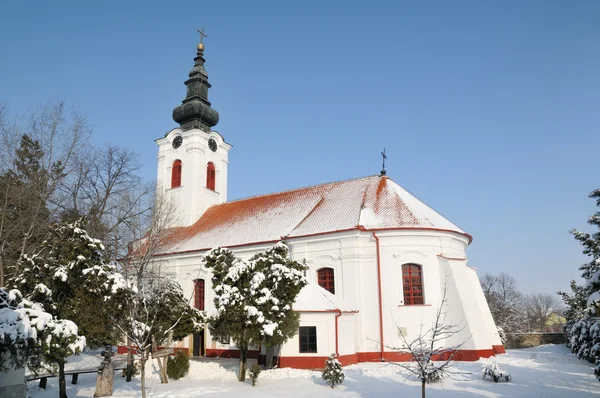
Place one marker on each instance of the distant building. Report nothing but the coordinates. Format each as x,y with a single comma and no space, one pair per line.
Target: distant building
379,258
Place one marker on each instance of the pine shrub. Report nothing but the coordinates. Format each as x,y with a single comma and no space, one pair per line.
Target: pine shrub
333,373
179,366
253,373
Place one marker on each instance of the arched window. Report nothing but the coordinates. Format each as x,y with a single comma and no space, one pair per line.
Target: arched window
326,279
176,174
412,280
199,294
210,176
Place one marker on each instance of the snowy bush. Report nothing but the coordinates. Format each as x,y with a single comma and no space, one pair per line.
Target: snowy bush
333,373
493,370
253,373
179,366
22,325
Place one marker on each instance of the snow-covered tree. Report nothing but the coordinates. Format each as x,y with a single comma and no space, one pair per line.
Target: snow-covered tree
254,298
333,373
22,327
70,277
583,312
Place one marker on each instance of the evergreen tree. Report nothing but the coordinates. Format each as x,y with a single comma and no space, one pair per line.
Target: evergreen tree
70,277
24,191
254,298
583,312
333,373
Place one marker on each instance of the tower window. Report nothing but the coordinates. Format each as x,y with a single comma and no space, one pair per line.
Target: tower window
199,294
326,279
412,281
210,176
308,339
176,174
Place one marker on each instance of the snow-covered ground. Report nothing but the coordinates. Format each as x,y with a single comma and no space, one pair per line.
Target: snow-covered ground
545,371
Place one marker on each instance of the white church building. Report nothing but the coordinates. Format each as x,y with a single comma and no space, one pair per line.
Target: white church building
379,259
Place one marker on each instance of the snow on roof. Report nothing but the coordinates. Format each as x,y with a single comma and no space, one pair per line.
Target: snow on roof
373,202
313,297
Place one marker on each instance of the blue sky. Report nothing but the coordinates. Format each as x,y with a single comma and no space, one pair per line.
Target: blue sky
488,110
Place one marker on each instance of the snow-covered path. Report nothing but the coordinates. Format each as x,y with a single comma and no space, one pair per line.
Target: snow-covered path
546,371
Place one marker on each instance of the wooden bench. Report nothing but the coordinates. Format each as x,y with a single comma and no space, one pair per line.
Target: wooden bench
73,373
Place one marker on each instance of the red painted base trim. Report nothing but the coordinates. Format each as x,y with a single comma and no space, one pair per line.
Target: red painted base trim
391,356
305,362
213,353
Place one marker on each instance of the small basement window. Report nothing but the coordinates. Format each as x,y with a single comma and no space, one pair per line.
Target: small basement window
308,339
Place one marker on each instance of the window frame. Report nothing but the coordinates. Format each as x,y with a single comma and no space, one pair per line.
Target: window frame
305,345
176,170
326,279
199,294
211,176
410,273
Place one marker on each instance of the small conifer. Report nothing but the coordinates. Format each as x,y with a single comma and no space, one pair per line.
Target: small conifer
253,373
179,366
333,373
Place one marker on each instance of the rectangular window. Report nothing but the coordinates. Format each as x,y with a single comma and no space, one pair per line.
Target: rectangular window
413,284
224,340
308,339
199,294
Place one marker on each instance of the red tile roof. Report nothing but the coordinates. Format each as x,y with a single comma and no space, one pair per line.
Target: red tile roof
372,202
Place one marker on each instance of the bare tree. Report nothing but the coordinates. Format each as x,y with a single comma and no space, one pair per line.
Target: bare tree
505,301
158,310
107,189
37,153
539,307
431,355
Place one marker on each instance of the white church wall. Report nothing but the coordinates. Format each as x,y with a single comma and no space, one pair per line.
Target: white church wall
346,324
325,324
353,257
421,248
484,314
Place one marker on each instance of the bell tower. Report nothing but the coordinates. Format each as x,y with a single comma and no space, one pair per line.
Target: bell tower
193,158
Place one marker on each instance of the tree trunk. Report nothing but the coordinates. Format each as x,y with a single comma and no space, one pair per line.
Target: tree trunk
129,370
165,364
143,372
423,388
62,385
1,271
269,353
243,359
105,380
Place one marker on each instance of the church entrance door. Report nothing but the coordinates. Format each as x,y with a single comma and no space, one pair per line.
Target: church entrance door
199,344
